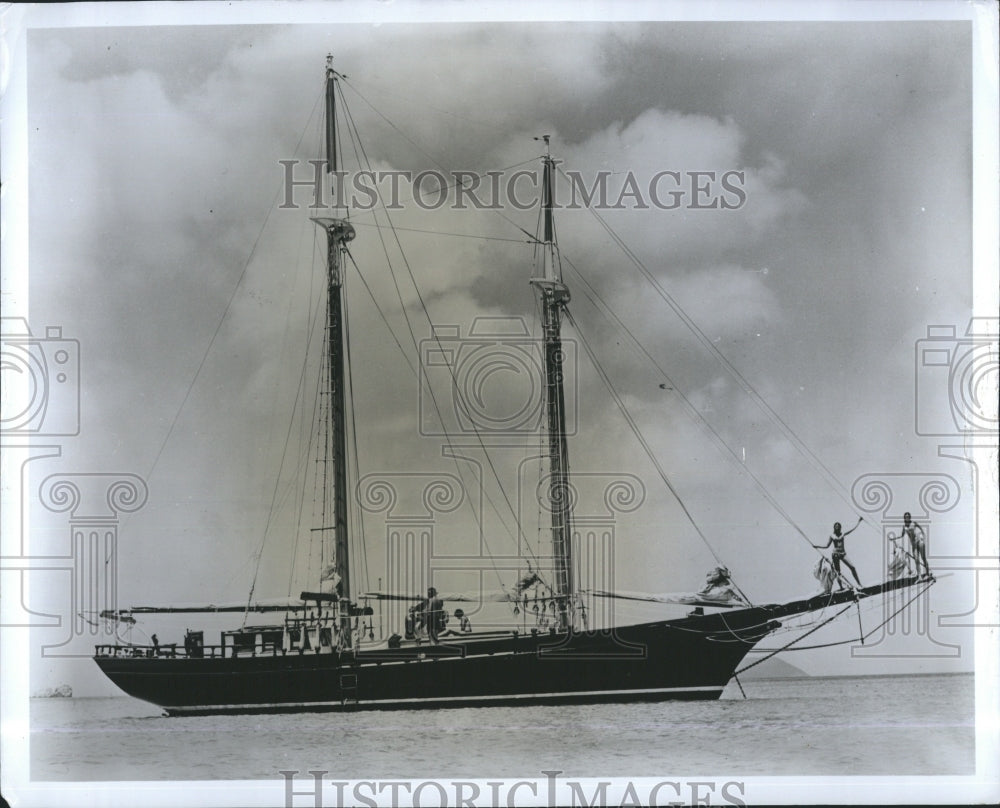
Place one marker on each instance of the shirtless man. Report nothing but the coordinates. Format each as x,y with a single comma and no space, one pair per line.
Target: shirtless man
918,543
430,615
839,553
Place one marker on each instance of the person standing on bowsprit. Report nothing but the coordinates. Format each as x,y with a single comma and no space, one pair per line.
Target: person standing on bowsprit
918,544
839,553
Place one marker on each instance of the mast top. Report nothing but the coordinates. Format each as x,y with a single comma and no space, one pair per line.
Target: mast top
551,272
330,72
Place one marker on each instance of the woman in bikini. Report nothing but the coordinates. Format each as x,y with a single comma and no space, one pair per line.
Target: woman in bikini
839,553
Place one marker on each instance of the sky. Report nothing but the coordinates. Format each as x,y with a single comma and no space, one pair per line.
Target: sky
155,241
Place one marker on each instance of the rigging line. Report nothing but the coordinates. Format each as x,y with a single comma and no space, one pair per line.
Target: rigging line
324,438
437,162
689,408
443,233
741,638
420,298
311,426
277,483
397,204
772,652
779,650
305,437
424,106
229,305
413,143
748,388
350,134
359,516
299,391
646,448
486,494
401,133
378,308
845,642
451,370
341,203
541,439
790,628
318,448
356,144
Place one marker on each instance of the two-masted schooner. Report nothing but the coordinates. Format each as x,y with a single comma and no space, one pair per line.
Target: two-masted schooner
321,656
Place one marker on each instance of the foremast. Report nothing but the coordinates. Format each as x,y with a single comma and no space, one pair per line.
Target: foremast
554,296
338,233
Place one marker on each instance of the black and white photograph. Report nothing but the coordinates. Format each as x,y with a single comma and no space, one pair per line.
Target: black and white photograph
439,404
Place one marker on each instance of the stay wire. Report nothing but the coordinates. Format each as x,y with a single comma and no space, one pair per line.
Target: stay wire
274,493
435,336
779,650
284,451
729,453
532,237
359,517
846,642
748,388
445,233
645,445
307,438
228,307
381,313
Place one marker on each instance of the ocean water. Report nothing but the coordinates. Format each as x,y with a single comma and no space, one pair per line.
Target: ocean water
892,725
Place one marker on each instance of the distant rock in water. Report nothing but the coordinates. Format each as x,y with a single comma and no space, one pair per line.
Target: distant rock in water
61,692
773,669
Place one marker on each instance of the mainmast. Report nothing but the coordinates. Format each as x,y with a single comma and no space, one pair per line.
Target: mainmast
338,233
554,296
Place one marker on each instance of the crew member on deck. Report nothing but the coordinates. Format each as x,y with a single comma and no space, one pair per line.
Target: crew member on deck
839,553
462,624
918,543
431,610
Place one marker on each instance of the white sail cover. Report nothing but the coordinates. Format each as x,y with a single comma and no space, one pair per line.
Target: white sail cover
825,574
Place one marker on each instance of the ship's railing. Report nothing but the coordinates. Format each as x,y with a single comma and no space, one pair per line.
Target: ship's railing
172,651
169,650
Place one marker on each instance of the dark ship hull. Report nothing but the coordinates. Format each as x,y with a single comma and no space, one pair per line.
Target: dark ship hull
689,658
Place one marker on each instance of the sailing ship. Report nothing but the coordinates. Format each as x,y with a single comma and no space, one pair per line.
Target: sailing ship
323,654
